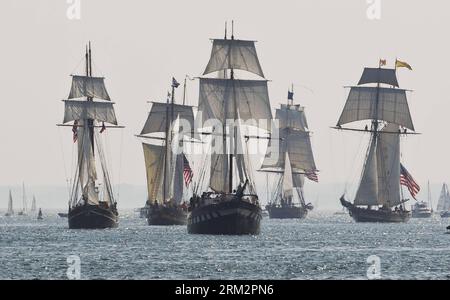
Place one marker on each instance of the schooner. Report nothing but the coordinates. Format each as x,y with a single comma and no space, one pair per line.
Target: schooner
294,162
443,206
230,205
166,163
379,197
92,204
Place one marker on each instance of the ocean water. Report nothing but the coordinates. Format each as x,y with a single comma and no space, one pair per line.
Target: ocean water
323,246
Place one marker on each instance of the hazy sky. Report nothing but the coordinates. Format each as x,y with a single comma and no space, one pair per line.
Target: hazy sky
139,45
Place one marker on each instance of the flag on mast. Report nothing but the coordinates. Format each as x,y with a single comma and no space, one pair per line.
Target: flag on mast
402,64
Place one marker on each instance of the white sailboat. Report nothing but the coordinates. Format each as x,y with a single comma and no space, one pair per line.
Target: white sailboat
10,211
443,206
24,210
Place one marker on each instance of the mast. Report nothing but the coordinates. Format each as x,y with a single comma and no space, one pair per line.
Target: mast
89,74
232,135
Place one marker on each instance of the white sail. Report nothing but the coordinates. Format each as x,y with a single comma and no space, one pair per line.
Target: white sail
156,121
298,145
154,166
84,86
388,165
292,116
218,97
83,110
33,204
367,193
392,106
10,205
234,54
444,199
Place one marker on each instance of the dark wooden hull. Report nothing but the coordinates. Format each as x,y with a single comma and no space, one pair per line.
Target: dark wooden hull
375,216
166,216
445,214
290,212
234,217
92,217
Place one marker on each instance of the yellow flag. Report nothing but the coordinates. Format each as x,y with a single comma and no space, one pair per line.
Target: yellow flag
402,64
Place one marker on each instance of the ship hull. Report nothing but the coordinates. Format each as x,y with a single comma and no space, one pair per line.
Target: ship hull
292,212
445,214
166,216
236,217
375,216
92,217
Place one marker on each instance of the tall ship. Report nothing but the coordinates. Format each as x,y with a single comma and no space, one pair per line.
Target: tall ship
92,204
167,167
294,163
443,206
379,197
24,210
225,202
10,211
423,209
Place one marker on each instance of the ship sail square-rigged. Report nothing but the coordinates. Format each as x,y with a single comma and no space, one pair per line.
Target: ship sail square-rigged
218,96
233,54
87,86
83,110
362,105
298,145
379,75
292,116
156,121
154,165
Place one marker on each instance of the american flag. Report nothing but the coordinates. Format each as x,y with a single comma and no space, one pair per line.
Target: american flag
187,171
75,131
407,180
312,175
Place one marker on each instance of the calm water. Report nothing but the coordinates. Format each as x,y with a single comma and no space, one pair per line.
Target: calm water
324,246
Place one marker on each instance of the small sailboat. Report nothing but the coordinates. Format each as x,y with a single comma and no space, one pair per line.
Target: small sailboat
92,204
10,211
33,204
422,209
39,216
443,206
379,190
24,210
294,162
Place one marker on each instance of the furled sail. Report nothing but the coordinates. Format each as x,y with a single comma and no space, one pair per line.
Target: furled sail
156,121
154,166
84,110
367,193
379,75
86,86
292,116
218,96
388,165
298,145
444,199
392,106
234,54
